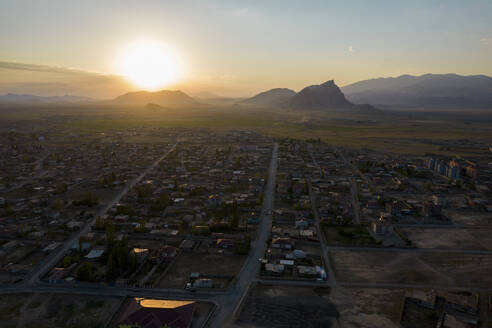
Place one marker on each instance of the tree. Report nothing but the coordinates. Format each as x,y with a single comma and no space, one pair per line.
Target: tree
110,268
84,273
61,188
57,205
67,261
110,233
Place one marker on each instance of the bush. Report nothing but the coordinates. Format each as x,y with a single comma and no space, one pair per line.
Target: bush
244,247
88,199
85,272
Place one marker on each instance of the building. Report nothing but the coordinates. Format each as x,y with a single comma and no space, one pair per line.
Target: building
150,313
203,283
431,164
283,243
463,302
442,168
274,269
394,208
454,170
225,243
472,172
439,200
381,226
452,320
424,298
432,210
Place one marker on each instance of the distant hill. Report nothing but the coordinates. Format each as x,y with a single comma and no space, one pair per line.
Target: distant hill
28,99
166,98
203,95
326,96
323,96
429,90
273,97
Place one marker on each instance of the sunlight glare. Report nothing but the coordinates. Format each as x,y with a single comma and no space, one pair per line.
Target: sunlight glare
149,65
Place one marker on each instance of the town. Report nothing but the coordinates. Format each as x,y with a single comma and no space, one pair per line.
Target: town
233,228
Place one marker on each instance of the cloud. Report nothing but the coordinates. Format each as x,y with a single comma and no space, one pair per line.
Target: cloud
245,13
484,41
36,68
45,80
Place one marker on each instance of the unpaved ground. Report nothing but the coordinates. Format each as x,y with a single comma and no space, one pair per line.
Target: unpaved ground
55,311
369,307
211,263
449,238
282,306
468,217
454,269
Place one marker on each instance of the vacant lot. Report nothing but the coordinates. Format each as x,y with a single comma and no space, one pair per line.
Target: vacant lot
55,311
369,307
348,235
454,269
280,306
212,264
472,239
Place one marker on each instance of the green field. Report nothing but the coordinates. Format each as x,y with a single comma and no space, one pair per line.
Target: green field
394,131
348,236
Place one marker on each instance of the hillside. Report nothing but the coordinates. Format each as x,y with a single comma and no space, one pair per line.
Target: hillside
273,97
324,96
429,90
169,98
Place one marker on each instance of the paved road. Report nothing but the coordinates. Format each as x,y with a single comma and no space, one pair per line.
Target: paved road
321,237
56,256
238,290
355,201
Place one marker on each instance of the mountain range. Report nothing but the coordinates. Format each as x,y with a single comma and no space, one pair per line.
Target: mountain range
166,98
16,99
325,96
273,97
429,91
425,91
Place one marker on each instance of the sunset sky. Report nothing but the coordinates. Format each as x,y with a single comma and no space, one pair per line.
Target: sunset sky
237,48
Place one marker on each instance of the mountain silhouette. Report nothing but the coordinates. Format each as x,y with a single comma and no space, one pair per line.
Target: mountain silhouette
429,90
323,96
170,98
273,97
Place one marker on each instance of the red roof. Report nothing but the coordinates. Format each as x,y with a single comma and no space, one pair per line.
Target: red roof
157,317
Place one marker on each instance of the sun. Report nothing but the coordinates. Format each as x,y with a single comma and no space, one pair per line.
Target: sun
149,64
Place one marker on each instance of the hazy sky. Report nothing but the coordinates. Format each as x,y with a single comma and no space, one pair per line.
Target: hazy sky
240,47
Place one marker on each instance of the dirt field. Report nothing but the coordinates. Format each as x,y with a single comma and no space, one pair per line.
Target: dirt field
368,307
413,267
348,235
212,263
472,239
280,306
55,311
468,217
